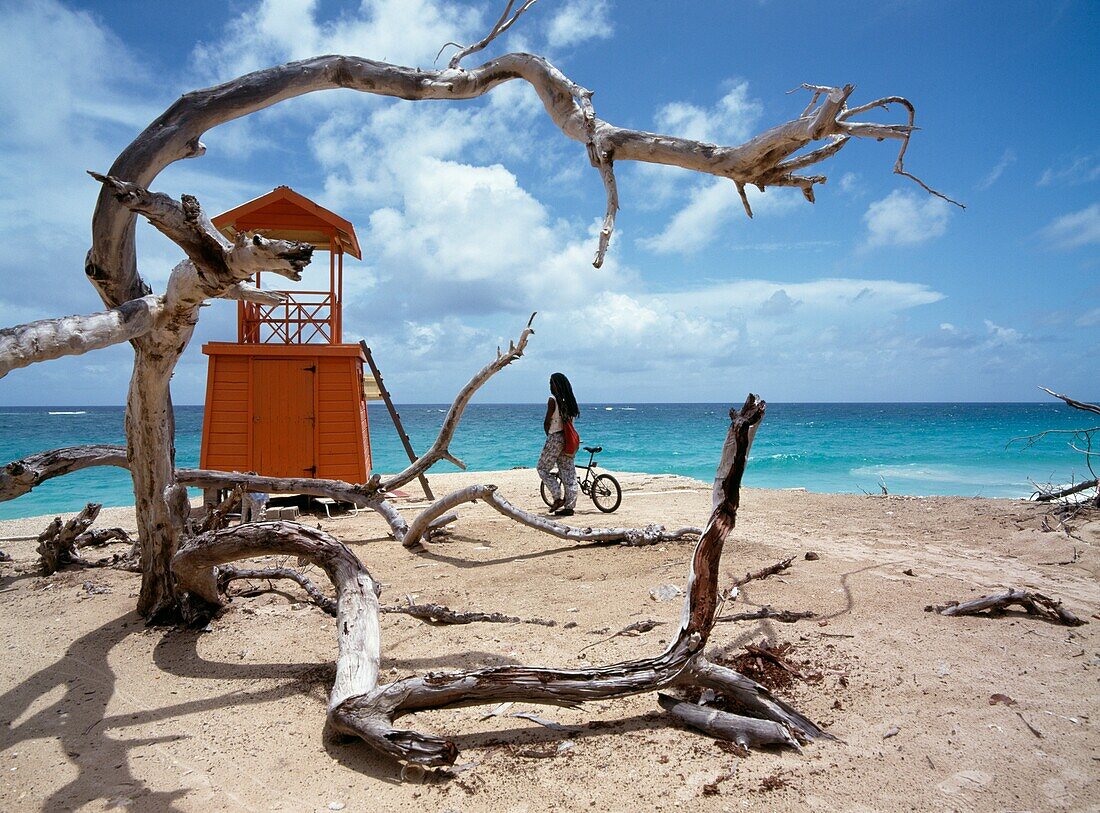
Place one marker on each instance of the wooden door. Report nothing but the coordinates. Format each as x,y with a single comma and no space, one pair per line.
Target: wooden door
283,417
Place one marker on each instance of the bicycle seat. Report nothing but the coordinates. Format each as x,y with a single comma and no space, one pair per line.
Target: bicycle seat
593,449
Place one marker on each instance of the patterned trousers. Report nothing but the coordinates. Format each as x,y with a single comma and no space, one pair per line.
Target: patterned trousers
553,455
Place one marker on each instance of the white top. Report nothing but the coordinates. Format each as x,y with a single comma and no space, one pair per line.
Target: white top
555,420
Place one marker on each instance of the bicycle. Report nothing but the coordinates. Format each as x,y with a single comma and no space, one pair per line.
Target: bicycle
604,489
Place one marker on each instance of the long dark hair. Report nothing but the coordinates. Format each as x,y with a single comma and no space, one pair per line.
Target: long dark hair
562,391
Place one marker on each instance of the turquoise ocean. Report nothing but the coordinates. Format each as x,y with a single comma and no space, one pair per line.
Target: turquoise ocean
915,449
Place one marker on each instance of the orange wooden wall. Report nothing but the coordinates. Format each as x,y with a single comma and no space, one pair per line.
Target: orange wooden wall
286,411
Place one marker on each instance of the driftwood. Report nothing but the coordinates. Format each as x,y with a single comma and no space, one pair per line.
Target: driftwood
648,535
764,572
1034,603
1044,495
1049,492
360,707
57,546
98,537
20,476
745,731
784,616
435,614
443,616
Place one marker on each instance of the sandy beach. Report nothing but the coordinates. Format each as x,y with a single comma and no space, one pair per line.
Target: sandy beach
100,713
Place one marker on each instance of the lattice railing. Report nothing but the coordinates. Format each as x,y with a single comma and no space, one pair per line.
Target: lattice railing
306,317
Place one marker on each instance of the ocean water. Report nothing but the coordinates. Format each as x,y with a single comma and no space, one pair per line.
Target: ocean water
915,449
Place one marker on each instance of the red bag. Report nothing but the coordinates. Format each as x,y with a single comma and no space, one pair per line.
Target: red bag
571,438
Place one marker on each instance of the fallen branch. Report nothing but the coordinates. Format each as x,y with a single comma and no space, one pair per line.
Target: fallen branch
20,476
431,613
1047,496
1034,603
647,535
630,629
745,731
783,616
98,537
764,572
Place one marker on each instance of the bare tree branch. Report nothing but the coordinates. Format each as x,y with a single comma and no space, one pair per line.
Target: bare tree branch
49,339
503,24
649,535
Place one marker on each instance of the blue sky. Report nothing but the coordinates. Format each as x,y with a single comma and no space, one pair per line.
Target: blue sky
472,215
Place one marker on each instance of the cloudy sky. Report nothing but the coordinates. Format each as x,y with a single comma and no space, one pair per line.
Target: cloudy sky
474,214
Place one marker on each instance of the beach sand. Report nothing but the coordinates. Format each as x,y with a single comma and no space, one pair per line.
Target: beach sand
99,712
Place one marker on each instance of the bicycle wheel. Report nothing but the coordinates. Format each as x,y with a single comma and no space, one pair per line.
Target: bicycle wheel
606,493
546,498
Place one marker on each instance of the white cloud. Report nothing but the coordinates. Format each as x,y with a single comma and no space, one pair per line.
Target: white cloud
407,32
999,335
709,208
851,184
1088,318
730,121
578,21
904,219
1074,230
1008,157
1077,169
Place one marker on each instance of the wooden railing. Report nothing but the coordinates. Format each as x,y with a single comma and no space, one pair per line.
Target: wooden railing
306,317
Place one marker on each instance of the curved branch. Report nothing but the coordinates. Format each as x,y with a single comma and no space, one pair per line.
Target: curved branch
440,449
356,591
111,263
502,25
649,535
49,339
1073,403
370,716
1048,496
21,476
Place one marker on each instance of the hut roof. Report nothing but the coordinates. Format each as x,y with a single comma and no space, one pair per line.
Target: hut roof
284,214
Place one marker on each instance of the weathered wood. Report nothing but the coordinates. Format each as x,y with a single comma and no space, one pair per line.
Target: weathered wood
357,631
1085,407
1033,603
748,732
358,706
440,450
370,716
49,339
57,545
98,537
1068,491
783,616
764,572
648,535
20,476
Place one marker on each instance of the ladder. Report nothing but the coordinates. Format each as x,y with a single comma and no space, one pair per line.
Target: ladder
396,418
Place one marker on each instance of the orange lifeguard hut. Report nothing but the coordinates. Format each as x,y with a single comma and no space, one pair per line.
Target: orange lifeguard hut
289,398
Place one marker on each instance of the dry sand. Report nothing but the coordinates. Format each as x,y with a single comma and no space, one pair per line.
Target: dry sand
99,712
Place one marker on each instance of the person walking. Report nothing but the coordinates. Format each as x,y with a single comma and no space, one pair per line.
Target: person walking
561,446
